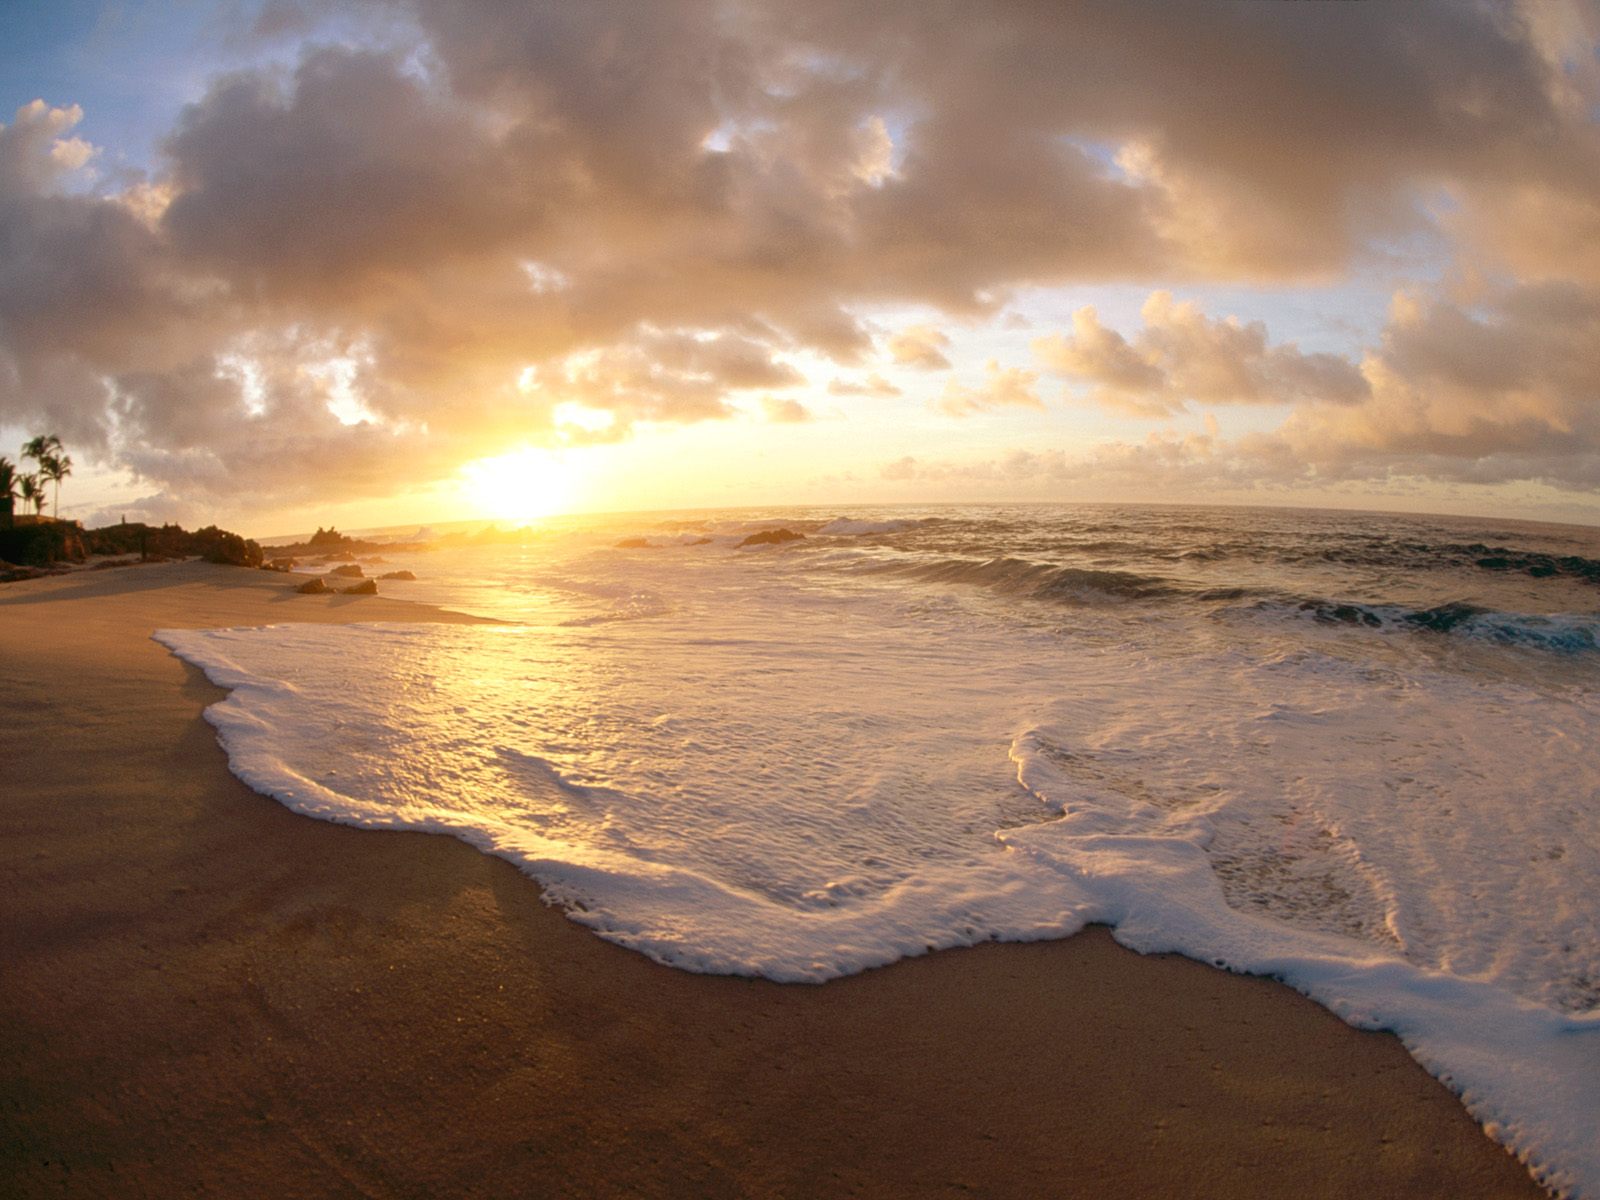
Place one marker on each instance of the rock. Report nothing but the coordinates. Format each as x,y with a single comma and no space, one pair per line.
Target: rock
13,573
350,571
772,537
42,542
312,587
219,546
406,575
635,543
279,564
367,587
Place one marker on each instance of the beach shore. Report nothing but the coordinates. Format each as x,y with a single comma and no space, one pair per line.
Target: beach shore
202,993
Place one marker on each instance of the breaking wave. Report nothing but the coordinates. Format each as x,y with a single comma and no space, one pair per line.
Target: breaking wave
1566,633
1039,581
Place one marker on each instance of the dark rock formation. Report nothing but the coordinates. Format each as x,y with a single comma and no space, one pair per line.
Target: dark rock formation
220,546
313,587
367,587
348,571
159,543
328,537
406,575
41,542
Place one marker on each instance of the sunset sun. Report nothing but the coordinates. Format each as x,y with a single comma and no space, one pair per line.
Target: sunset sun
524,485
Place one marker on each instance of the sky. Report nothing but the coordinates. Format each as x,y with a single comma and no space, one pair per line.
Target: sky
285,263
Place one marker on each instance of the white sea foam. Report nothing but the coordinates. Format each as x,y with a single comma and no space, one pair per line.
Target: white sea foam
790,766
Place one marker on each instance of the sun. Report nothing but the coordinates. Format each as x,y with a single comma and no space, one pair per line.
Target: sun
521,486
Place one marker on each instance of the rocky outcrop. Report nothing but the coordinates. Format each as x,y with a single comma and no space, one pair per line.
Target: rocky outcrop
348,571
327,537
405,575
313,587
159,543
220,546
42,542
367,587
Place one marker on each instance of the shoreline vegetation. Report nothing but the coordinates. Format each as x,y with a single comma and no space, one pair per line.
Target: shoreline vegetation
209,994
35,546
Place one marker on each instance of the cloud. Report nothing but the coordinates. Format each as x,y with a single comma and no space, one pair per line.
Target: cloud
651,211
674,377
1125,376
35,154
1182,355
872,385
784,411
921,346
1001,387
1506,391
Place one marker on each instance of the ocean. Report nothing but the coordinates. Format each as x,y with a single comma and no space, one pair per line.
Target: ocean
1352,751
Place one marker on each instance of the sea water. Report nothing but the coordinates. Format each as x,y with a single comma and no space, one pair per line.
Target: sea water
1352,751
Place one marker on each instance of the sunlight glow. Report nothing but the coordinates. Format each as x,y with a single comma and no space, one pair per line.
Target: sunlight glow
581,416
522,486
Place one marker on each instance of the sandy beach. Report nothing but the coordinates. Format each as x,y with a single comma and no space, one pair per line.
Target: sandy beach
202,993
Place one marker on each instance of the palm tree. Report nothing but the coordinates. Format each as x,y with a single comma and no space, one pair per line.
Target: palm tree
42,446
33,492
55,468
8,491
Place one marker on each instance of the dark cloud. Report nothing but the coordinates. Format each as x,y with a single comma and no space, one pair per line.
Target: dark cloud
351,172
86,288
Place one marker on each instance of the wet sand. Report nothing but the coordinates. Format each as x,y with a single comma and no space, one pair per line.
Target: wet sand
202,993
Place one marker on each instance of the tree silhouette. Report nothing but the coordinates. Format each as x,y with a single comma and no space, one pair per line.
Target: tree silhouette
55,468
33,492
39,447
8,490
54,463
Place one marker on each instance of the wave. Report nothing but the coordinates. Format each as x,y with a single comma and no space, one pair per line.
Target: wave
635,542
846,527
1040,581
1534,563
1566,633
1395,554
